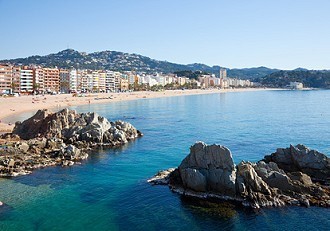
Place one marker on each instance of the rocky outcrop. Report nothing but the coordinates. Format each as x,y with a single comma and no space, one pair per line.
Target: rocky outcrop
72,127
302,159
209,172
62,138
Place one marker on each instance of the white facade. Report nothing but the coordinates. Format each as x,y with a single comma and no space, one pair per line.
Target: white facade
296,85
26,80
73,80
39,79
112,81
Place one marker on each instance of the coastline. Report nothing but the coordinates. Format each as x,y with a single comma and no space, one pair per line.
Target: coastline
16,105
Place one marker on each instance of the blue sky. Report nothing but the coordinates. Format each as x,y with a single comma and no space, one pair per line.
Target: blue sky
283,34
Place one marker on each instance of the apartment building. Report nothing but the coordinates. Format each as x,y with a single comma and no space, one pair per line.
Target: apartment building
38,82
51,79
26,80
65,80
73,80
124,85
112,81
5,79
16,79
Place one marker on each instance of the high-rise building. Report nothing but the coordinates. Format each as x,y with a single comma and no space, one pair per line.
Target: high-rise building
223,73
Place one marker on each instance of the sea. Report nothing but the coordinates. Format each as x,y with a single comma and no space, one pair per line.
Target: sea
109,191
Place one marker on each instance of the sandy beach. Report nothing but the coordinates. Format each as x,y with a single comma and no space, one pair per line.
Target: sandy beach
16,105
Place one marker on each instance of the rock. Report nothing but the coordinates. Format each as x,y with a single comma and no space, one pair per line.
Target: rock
162,177
300,177
252,188
61,138
209,173
193,179
71,152
22,146
302,159
250,178
33,126
71,127
67,163
209,168
273,176
1,203
39,143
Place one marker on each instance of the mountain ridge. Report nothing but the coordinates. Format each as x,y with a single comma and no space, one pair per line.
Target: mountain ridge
309,78
121,61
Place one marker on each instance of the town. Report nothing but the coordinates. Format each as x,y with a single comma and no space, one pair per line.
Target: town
16,80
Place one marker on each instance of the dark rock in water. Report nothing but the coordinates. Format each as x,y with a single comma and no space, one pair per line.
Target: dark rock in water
209,172
218,209
61,138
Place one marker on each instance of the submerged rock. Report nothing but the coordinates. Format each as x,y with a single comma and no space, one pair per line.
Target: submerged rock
209,172
62,138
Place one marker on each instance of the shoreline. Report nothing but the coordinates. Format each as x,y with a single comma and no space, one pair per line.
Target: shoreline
17,105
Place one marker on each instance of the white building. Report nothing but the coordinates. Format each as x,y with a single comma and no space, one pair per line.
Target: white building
73,80
112,81
26,80
296,85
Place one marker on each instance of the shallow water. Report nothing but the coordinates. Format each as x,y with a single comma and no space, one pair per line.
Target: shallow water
109,190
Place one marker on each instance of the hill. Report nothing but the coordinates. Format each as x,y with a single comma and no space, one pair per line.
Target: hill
310,78
119,61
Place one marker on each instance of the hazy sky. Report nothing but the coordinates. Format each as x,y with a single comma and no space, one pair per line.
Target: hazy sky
282,34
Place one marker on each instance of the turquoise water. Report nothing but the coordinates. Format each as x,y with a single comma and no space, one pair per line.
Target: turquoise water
109,190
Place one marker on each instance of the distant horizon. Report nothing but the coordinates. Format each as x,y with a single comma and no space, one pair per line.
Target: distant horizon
276,34
170,61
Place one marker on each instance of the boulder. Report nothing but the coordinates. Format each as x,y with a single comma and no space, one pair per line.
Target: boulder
273,175
209,168
300,177
299,158
251,180
22,146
